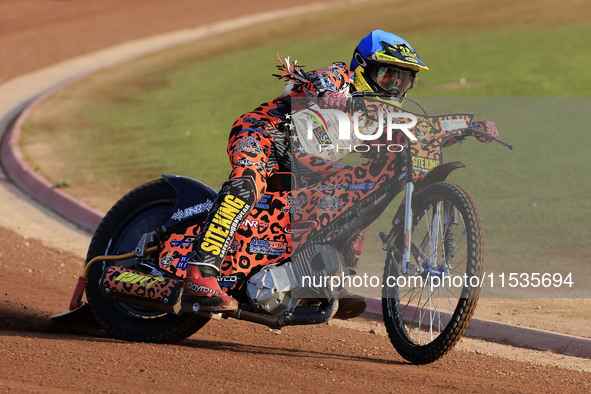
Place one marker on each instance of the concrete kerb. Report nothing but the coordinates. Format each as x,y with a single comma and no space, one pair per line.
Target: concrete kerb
19,92
53,78
32,183
510,335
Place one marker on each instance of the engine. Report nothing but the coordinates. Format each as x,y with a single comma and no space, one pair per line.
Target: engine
276,289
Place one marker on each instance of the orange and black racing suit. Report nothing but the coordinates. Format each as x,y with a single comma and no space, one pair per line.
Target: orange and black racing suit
258,148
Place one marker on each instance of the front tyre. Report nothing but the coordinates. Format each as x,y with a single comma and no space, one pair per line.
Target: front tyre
140,211
428,304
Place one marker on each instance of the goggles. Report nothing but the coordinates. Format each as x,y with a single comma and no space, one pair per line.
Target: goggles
392,79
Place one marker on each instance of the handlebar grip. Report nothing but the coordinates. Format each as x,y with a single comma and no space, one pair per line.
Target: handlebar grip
477,130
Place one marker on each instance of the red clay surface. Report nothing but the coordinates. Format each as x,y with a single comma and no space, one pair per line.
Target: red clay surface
37,33
224,355
229,355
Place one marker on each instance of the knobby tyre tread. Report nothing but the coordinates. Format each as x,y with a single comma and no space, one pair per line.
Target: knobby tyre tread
157,197
423,354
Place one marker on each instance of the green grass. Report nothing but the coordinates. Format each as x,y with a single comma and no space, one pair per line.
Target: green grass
182,125
176,120
508,63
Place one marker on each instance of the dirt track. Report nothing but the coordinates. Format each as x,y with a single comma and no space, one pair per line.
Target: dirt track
327,358
37,281
35,357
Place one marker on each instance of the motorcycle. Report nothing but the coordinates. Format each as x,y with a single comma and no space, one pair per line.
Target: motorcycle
299,232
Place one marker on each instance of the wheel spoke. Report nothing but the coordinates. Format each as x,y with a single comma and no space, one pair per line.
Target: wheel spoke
441,251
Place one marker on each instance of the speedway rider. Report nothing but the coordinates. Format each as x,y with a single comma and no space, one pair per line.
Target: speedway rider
382,63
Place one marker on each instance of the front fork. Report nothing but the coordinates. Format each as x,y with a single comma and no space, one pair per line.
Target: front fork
407,228
388,239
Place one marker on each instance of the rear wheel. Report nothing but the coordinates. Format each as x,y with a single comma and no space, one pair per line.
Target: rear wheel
140,211
427,304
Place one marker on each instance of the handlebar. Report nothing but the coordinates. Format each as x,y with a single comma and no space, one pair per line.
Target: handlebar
476,130
371,94
469,131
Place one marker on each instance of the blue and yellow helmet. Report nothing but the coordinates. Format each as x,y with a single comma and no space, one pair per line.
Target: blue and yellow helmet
385,63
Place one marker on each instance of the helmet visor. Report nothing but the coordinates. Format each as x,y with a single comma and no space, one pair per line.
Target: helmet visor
392,79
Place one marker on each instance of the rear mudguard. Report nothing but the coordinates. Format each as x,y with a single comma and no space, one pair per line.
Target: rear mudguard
193,201
437,174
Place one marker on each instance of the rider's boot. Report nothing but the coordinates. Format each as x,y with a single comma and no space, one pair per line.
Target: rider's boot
201,291
350,305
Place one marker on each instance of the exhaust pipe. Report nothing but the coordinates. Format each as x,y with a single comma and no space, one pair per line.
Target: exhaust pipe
163,294
300,316
136,288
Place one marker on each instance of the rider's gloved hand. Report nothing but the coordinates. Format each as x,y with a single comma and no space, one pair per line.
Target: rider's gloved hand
334,100
488,126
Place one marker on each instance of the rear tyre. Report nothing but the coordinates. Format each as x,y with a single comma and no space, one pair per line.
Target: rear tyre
140,211
426,315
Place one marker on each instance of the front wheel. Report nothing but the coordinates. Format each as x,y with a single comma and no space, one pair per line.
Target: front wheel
140,211
428,303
